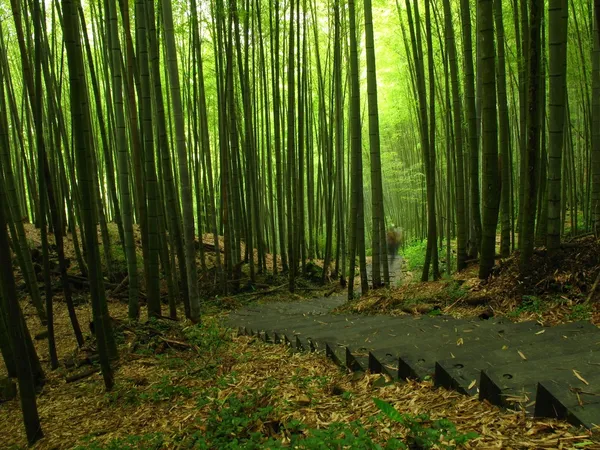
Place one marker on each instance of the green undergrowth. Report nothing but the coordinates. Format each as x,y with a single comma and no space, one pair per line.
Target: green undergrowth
568,228
232,415
163,390
413,255
533,304
250,421
582,311
207,341
455,291
529,304
145,441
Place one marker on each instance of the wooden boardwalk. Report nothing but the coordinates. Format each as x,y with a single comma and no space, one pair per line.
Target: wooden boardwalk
548,371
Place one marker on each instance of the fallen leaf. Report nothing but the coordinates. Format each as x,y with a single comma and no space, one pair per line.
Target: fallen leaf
580,377
521,355
473,383
579,399
302,400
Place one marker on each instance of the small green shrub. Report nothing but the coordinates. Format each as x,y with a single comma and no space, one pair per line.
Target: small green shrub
581,311
414,254
145,441
159,392
170,362
426,433
249,421
165,390
352,435
529,304
208,336
127,395
455,291
237,422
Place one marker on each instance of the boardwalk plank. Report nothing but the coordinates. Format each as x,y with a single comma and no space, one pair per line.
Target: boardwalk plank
571,400
516,384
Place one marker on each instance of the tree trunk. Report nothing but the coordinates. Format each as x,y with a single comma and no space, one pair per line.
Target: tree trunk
596,131
504,141
378,216
533,135
473,155
461,232
490,175
186,190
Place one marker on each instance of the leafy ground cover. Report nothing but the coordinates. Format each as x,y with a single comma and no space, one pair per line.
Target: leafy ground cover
562,290
200,386
181,385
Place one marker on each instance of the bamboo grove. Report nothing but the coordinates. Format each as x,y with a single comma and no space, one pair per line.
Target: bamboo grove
263,127
503,120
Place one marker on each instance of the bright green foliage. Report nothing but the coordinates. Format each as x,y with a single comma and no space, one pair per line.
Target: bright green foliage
145,441
165,390
208,336
243,423
341,435
236,422
162,391
424,432
248,422
582,311
414,254
529,304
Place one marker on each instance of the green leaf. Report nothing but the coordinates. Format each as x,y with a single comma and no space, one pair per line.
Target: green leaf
389,410
583,444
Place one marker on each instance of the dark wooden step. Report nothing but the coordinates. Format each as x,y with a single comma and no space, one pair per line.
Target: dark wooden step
515,385
575,401
500,358
462,370
418,361
363,335
385,360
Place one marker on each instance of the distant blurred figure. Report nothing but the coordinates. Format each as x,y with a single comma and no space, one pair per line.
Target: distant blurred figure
394,241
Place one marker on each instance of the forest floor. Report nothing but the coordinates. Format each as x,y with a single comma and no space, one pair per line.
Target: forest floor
180,385
557,291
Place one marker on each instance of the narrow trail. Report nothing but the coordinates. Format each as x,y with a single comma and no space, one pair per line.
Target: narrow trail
548,371
395,270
